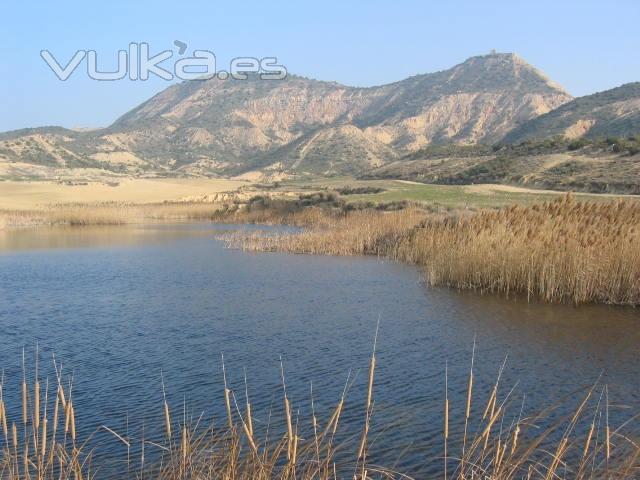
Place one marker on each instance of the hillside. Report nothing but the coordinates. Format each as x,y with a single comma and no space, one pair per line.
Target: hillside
235,127
612,113
589,165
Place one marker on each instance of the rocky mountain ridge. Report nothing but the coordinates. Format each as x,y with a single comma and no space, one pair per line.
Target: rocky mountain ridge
235,127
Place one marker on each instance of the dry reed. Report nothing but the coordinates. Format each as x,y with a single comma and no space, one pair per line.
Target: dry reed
526,449
79,214
560,251
41,452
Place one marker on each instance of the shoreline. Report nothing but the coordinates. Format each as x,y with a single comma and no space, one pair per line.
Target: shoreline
561,251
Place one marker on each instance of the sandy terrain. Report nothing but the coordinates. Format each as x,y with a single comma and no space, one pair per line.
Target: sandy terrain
29,195
490,188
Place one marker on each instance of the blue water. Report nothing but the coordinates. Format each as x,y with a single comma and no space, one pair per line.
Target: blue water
120,305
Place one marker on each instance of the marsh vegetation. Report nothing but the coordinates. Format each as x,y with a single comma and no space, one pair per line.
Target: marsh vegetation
559,251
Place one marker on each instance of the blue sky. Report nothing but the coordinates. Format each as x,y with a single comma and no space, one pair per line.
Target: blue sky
586,46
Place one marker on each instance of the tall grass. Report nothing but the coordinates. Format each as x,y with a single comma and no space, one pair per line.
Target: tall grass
42,442
559,251
362,232
79,214
303,210
21,218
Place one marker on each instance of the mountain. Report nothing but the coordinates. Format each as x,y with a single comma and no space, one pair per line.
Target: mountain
231,127
612,113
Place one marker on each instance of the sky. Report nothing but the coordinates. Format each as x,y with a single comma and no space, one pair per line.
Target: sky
586,46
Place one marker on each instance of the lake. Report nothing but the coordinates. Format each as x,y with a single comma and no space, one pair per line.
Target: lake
120,305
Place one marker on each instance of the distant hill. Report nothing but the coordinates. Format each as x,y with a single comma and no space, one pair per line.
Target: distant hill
609,165
233,127
612,113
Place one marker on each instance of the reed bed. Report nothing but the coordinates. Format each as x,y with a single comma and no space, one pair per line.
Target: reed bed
563,251
41,441
312,216
318,210
21,218
117,213
79,214
364,232
560,251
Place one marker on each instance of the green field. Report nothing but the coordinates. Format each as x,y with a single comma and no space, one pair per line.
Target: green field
478,196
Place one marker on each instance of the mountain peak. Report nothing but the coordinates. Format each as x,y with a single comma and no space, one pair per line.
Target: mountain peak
496,58
497,70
